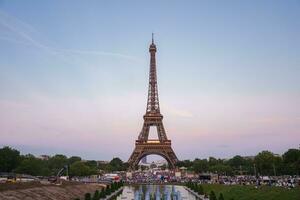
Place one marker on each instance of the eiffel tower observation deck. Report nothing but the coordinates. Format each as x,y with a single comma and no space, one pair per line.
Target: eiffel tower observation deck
143,145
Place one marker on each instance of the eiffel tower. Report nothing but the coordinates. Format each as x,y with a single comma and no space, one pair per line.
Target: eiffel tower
143,145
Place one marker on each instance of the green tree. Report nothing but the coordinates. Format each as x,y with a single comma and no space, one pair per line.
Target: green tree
212,161
221,169
91,163
236,162
79,169
116,164
291,160
200,165
265,161
57,162
73,159
33,166
9,159
185,163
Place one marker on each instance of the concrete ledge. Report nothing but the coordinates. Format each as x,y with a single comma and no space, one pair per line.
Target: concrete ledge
201,197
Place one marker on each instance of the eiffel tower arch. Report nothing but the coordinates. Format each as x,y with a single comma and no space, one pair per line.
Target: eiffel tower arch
143,145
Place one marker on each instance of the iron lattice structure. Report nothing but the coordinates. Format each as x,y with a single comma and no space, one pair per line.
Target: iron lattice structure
144,146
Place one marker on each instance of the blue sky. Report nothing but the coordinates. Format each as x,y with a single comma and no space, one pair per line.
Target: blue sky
73,75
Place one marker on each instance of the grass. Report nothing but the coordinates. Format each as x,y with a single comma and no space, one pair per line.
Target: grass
239,192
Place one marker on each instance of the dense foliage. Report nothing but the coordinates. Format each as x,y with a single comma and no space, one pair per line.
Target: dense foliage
12,161
264,163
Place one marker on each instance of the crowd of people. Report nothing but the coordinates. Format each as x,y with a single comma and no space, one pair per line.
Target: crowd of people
161,176
280,181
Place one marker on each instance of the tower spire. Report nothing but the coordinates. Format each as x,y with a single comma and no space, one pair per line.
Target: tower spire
152,103
152,38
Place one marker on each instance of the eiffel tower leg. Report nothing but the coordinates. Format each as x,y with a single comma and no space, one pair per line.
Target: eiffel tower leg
143,149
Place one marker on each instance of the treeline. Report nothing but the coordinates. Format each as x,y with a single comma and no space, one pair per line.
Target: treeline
12,161
264,163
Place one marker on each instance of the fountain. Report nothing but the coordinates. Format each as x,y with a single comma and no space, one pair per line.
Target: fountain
155,192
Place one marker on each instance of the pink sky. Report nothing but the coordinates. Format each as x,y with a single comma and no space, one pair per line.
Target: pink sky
103,127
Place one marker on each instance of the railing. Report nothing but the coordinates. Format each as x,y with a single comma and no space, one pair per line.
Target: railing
201,197
153,141
112,195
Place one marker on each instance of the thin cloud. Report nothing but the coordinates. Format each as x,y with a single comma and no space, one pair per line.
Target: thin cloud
13,40
177,112
13,25
25,31
101,53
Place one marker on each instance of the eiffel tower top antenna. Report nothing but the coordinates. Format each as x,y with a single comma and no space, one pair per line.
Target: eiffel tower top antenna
152,38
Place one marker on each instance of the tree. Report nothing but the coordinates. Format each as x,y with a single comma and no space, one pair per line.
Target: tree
184,163
33,166
221,169
265,162
116,164
79,169
73,159
212,161
236,162
57,162
291,159
91,163
200,165
9,159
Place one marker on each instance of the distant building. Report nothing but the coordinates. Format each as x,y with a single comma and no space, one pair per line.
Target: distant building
277,155
249,157
44,157
102,162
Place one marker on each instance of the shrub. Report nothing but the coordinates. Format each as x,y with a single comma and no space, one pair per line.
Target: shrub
108,190
96,195
221,197
102,193
212,196
87,196
200,190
